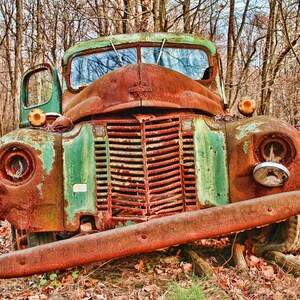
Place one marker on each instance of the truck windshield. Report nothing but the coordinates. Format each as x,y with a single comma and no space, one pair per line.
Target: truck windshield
190,62
85,69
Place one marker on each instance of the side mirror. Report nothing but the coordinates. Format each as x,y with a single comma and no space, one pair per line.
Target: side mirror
40,89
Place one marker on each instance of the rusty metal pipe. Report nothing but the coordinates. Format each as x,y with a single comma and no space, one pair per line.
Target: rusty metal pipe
151,235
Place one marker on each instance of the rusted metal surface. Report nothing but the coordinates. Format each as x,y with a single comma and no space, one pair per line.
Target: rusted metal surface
31,180
142,85
249,143
155,234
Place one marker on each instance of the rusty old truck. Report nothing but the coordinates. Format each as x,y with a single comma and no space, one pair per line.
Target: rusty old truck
135,152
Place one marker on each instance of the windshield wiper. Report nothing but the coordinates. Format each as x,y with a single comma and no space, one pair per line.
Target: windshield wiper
161,50
117,53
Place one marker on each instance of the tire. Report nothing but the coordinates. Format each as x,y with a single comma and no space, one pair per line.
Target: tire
283,237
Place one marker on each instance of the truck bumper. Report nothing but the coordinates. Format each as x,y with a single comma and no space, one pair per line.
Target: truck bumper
151,235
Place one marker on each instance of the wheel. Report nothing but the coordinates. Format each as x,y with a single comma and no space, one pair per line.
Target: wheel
22,240
283,237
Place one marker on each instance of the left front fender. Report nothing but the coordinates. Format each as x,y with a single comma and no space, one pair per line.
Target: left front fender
32,200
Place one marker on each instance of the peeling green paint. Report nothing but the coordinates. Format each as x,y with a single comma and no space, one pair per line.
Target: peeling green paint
246,147
40,188
79,168
47,157
175,38
211,164
249,128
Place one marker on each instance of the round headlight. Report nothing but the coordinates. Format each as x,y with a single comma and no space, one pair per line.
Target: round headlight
271,174
17,165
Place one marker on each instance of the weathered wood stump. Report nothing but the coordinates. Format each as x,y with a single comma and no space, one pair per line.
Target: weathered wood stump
287,262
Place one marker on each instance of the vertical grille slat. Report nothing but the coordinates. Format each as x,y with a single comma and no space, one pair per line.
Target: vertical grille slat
101,175
189,168
146,169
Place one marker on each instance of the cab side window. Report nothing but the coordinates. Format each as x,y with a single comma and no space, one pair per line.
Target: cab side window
39,88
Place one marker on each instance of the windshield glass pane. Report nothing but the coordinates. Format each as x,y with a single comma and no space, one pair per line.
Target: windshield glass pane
86,69
190,62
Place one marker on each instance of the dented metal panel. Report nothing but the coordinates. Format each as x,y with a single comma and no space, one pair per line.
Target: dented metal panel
144,167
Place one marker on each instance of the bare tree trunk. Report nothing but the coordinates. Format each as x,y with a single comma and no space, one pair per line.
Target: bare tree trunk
156,15
162,14
267,60
230,38
18,61
54,34
125,16
186,16
286,29
40,51
233,41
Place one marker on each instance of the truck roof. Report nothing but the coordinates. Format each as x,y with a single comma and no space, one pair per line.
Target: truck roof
176,38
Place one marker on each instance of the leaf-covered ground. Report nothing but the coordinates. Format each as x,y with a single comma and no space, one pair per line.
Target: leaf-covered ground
158,275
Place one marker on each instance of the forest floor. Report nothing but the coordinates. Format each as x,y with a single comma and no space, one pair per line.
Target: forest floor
158,275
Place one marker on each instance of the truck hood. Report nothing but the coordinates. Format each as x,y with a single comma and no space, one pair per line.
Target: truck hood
142,85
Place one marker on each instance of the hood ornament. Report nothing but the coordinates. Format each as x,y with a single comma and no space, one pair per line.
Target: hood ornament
140,89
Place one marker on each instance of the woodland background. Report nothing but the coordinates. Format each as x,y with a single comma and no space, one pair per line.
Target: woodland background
258,41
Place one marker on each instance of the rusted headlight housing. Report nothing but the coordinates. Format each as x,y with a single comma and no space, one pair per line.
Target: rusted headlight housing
271,174
16,165
276,148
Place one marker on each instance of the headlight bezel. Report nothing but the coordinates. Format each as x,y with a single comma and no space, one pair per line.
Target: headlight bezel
17,165
283,149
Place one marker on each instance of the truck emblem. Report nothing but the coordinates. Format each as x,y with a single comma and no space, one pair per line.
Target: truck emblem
139,89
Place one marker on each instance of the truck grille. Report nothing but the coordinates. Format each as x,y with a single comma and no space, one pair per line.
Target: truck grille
145,168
